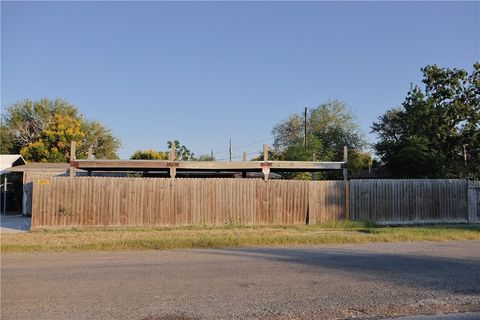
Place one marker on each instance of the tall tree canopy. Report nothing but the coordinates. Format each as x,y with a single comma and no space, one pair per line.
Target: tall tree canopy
436,131
43,130
330,126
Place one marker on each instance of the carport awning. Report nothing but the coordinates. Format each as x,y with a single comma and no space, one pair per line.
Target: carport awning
40,167
9,161
212,166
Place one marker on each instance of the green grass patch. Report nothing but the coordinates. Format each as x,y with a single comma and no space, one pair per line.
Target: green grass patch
230,235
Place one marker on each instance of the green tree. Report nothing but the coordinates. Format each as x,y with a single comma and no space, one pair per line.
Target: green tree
104,144
149,155
315,151
332,123
205,157
436,131
52,144
6,140
359,161
330,126
43,130
181,151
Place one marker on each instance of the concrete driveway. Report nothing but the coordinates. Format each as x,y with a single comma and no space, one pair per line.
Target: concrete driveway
14,223
319,282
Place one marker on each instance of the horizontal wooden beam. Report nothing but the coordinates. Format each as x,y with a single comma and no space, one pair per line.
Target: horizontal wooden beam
163,165
309,165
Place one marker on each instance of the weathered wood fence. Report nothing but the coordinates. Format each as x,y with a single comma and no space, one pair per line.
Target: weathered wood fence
101,201
409,200
68,202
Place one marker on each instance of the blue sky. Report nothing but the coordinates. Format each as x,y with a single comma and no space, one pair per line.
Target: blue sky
204,72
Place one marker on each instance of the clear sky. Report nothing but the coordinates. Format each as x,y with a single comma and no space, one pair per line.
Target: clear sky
204,72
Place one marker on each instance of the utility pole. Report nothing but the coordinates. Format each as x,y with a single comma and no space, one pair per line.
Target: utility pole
305,129
230,150
211,155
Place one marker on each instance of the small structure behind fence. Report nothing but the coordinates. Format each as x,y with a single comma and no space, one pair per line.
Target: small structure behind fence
102,201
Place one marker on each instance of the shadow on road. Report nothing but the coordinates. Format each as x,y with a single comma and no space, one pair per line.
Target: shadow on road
451,275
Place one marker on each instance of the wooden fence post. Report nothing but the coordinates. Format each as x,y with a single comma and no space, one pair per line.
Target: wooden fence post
171,158
266,171
90,153
347,184
73,150
244,158
90,157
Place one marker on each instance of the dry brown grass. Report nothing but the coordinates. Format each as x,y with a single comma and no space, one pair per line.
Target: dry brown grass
226,236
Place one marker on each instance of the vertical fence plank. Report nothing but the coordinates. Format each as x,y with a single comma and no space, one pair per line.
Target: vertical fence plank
473,201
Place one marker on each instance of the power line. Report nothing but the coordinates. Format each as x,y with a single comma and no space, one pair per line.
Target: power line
240,147
238,157
253,143
243,146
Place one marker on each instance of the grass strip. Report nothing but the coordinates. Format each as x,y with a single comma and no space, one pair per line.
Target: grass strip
142,238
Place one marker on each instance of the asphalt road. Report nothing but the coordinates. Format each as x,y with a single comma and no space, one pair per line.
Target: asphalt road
320,282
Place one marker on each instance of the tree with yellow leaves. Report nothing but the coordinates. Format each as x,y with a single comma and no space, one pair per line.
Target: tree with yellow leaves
42,131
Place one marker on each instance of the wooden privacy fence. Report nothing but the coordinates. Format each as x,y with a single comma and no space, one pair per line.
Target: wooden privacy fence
474,200
102,201
28,178
97,201
407,201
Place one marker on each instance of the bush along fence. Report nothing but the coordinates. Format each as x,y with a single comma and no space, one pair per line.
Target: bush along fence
105,201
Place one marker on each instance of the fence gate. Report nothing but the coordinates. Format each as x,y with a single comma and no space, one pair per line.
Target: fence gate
474,201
